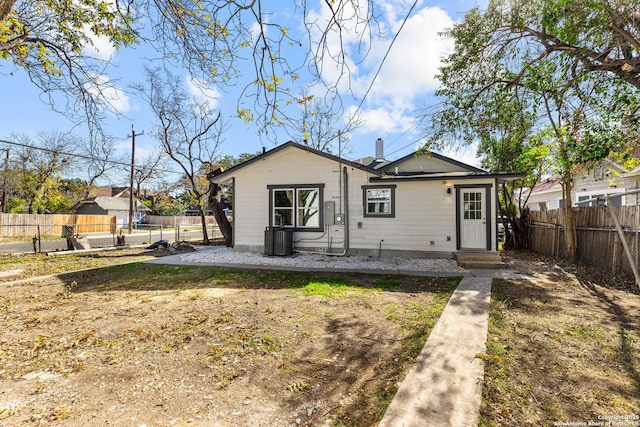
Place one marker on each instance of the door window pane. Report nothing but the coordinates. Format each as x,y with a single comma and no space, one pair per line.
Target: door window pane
472,205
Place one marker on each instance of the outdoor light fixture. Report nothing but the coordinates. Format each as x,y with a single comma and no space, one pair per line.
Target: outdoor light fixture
448,190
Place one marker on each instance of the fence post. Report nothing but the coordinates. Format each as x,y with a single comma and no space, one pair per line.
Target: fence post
614,257
636,251
160,231
634,267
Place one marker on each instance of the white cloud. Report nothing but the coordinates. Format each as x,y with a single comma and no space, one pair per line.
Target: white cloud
202,92
338,52
117,99
408,72
463,154
101,47
414,59
383,121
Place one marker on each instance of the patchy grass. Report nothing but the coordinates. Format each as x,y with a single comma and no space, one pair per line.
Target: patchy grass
158,344
561,349
34,265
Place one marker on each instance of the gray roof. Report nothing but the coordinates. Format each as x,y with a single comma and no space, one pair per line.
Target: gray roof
219,178
112,204
378,168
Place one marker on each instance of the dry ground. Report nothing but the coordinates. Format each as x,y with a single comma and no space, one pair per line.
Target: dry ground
563,347
141,344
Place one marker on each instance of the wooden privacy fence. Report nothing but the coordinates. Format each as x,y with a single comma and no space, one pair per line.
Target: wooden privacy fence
29,225
598,242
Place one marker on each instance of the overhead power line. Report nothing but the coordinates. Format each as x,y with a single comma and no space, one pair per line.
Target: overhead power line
80,156
384,58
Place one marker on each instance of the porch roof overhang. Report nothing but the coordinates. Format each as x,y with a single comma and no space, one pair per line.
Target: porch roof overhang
502,177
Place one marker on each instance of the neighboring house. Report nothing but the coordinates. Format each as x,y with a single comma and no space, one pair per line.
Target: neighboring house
109,192
420,205
114,206
606,179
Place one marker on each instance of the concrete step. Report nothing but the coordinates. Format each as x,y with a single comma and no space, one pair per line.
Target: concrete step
477,257
473,259
498,265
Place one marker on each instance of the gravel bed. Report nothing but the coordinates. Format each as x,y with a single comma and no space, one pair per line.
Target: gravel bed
220,255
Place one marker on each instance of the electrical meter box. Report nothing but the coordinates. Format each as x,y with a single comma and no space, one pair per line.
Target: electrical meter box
339,219
329,212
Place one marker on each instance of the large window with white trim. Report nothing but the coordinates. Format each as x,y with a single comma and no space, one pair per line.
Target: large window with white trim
297,206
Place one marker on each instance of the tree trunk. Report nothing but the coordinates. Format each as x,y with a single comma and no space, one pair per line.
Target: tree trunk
5,8
215,202
203,219
515,227
570,239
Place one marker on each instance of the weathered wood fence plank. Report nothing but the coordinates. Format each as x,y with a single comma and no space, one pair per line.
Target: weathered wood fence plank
598,242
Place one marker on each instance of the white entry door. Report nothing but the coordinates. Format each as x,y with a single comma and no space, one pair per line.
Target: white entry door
473,219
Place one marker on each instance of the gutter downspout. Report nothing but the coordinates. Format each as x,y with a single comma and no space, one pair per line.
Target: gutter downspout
346,209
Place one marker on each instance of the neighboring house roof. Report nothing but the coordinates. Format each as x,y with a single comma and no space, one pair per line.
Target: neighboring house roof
551,184
111,204
108,191
634,172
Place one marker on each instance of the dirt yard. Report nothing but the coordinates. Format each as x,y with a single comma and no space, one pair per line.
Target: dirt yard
155,345
563,348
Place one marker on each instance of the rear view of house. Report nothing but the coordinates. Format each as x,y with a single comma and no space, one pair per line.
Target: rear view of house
423,204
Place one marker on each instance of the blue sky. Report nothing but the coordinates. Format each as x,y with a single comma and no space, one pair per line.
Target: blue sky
406,81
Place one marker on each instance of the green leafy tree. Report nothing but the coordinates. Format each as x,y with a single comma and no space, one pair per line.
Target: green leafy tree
572,66
211,39
165,204
39,165
16,205
48,40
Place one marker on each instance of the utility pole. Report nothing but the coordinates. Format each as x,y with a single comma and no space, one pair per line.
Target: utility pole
4,181
133,165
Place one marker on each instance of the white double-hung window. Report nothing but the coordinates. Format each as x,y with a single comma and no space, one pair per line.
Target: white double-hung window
296,206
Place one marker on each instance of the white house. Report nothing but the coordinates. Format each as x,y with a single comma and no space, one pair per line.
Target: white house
115,206
607,179
420,205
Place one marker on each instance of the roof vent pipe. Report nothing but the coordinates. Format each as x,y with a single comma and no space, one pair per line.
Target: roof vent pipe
379,149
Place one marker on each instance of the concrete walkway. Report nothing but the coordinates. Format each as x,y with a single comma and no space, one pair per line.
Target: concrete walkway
445,386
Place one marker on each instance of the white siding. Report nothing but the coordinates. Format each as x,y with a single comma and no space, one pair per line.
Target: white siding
551,199
425,217
290,166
